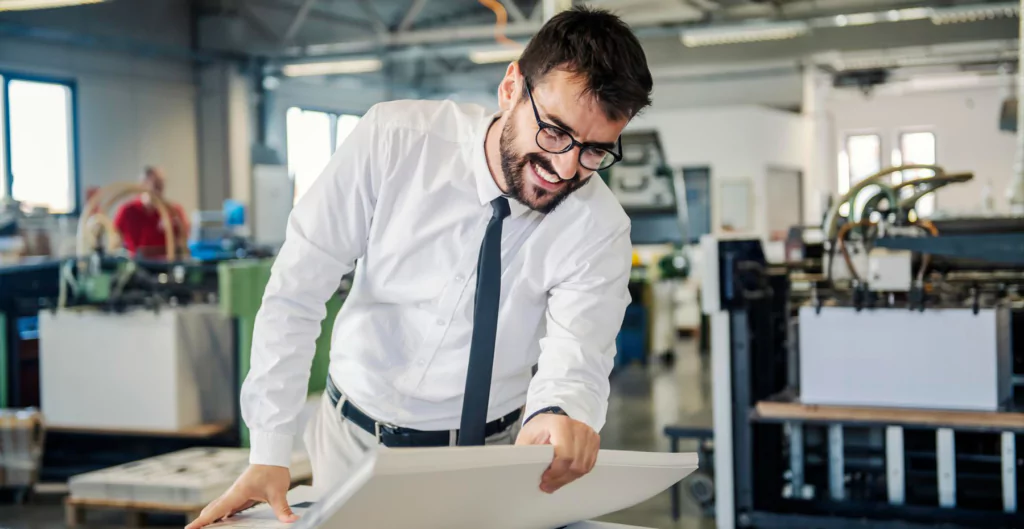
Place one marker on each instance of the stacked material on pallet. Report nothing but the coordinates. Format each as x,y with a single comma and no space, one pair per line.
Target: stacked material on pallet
21,447
187,478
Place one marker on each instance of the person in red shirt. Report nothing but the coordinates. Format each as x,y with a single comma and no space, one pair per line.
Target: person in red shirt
139,222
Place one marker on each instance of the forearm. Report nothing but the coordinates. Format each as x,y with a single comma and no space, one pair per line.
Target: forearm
581,390
584,315
284,342
327,232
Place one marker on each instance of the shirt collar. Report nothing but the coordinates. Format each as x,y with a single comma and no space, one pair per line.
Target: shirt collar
486,189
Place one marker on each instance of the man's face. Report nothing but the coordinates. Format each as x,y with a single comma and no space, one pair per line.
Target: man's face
536,178
154,182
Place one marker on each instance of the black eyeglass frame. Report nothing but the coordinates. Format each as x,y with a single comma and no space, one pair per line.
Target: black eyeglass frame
541,124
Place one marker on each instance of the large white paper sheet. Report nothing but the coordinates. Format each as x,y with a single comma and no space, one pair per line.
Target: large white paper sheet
474,487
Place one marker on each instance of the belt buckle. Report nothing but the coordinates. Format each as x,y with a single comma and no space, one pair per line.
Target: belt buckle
379,427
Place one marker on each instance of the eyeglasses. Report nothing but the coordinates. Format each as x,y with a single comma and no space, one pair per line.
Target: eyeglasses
556,140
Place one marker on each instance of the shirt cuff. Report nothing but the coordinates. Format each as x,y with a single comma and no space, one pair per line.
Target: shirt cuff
269,448
574,412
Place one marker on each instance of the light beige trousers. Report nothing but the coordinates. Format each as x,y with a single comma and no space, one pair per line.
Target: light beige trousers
336,445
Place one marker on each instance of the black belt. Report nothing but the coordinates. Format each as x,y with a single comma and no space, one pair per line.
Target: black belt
396,436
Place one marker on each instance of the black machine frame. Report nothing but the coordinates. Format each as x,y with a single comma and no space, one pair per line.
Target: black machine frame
755,452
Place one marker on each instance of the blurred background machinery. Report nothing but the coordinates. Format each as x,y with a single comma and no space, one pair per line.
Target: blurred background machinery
875,378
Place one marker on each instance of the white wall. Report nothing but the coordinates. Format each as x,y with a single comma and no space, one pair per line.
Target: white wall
132,111
738,142
777,89
965,122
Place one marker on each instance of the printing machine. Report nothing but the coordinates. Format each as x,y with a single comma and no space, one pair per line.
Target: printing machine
875,383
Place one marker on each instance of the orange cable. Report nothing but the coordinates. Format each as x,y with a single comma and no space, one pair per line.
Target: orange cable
842,245
501,20
926,259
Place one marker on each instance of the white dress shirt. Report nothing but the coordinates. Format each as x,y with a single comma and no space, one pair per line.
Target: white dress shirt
405,201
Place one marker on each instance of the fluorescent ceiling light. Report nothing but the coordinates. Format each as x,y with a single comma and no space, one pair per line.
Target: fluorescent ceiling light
26,5
332,67
739,33
507,54
975,13
876,17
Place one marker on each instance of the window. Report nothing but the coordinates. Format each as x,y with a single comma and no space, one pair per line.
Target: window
698,201
860,158
38,155
916,148
313,136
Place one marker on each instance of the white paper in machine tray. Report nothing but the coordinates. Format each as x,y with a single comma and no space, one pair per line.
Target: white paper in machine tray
475,488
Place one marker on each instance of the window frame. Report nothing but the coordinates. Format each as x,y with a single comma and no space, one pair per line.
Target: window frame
5,111
898,147
333,114
845,148
844,155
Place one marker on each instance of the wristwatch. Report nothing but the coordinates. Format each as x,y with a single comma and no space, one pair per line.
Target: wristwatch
550,409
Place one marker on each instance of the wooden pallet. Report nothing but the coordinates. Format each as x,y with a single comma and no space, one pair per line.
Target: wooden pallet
135,513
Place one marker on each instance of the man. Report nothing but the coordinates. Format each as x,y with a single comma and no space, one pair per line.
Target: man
486,245
139,222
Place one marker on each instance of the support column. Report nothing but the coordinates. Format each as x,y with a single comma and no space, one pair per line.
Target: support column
819,162
226,135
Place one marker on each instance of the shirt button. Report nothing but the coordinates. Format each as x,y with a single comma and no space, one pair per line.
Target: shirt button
440,322
421,362
460,278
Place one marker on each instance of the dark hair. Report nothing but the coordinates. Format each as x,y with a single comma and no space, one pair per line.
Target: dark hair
599,46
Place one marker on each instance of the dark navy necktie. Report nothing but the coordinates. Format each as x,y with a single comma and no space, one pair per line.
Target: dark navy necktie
485,328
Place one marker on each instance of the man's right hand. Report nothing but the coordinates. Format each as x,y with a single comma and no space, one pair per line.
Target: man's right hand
259,483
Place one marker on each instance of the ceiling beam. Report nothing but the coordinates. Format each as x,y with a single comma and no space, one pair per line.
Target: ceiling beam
314,13
297,21
418,37
514,13
257,23
410,15
378,23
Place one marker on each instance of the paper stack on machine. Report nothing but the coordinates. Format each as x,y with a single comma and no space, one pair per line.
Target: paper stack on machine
474,487
189,478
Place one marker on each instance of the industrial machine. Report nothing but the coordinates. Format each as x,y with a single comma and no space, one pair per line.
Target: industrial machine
875,380
177,332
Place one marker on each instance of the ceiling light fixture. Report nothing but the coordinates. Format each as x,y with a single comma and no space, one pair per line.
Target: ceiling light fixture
504,54
28,5
303,69
740,33
976,13
869,18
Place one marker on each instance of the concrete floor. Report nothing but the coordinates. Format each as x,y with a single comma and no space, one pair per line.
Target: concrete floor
643,401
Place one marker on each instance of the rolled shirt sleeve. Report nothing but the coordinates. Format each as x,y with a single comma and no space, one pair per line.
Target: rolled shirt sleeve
327,231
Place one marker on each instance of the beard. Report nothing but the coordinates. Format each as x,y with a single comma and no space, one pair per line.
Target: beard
513,165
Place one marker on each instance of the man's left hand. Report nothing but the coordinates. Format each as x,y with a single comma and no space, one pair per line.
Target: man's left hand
576,446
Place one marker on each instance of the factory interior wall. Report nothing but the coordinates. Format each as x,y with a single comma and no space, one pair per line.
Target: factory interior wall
736,142
965,123
132,111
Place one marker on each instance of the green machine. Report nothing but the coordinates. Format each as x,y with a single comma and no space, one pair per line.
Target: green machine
241,291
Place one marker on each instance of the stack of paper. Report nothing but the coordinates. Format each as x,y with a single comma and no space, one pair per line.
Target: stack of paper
191,477
494,487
